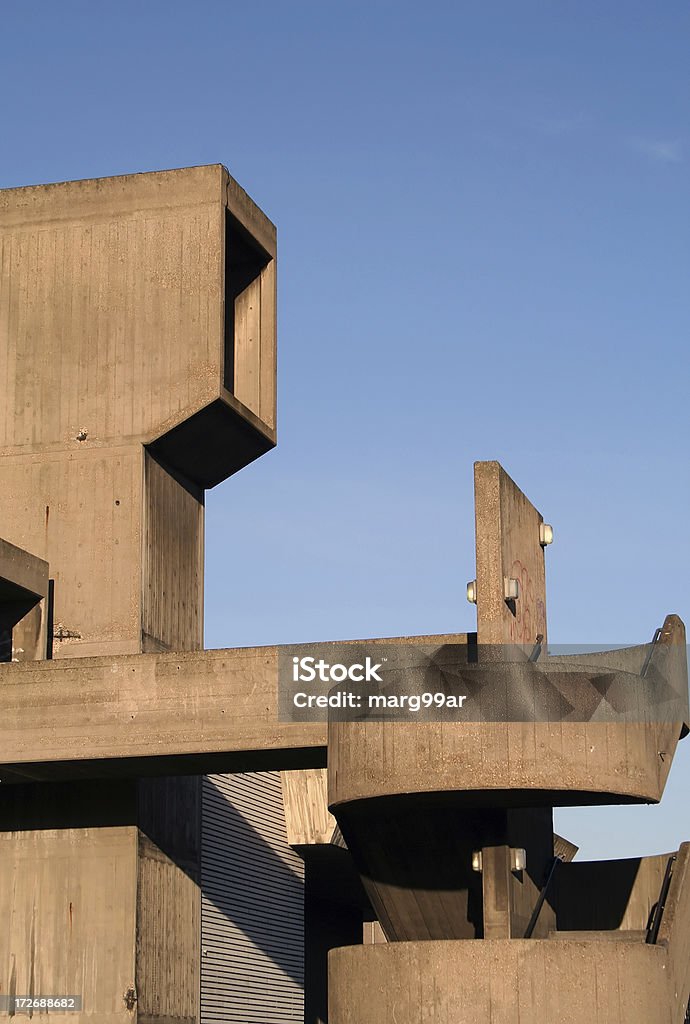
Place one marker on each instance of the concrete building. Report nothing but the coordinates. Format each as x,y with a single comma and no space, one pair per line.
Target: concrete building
173,848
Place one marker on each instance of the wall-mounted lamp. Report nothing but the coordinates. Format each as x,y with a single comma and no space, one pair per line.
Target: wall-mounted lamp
545,534
518,859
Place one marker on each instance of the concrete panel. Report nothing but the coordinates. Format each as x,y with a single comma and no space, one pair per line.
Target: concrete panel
173,562
508,547
82,513
509,981
168,946
124,540
112,317
78,936
114,290
305,798
146,706
521,764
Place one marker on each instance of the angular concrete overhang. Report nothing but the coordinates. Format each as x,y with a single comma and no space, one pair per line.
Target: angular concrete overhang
145,305
23,604
23,577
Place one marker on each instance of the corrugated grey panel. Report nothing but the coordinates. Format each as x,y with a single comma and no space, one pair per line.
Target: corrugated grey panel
252,905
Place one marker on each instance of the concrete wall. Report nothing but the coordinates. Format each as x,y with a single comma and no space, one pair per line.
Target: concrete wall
173,562
168,940
112,328
502,981
608,894
510,764
68,906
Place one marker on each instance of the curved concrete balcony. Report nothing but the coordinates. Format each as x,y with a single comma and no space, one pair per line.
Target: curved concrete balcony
503,981
592,729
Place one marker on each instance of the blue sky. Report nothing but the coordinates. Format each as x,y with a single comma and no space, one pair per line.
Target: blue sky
484,253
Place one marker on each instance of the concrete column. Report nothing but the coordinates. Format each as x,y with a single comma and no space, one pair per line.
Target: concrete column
138,322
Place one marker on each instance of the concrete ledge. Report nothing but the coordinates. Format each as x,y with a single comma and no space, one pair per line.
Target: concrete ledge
513,981
145,706
22,575
523,764
165,713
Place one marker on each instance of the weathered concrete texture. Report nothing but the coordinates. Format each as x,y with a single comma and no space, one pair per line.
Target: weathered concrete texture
21,571
172,598
154,707
77,938
508,547
114,294
98,926
501,764
674,932
137,329
83,513
147,706
168,937
137,310
118,531
23,605
305,798
508,981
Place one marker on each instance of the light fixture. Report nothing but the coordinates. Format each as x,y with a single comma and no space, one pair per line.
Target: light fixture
545,534
518,859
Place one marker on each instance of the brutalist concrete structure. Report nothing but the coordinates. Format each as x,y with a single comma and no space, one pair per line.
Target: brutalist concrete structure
173,849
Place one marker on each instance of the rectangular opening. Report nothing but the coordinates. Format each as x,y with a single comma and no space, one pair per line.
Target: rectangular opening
244,261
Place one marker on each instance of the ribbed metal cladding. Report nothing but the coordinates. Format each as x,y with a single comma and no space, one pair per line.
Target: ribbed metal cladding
252,909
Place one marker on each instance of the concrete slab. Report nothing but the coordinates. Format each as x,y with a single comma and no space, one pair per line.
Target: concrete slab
195,711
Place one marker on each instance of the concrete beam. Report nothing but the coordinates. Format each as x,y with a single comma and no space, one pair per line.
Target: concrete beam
165,713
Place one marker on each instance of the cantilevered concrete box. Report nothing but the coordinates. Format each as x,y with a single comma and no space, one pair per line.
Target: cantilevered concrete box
140,308
137,346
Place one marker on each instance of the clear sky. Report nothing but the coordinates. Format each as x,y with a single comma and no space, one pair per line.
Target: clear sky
484,253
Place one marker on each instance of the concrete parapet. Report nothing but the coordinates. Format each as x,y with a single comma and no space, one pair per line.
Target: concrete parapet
502,981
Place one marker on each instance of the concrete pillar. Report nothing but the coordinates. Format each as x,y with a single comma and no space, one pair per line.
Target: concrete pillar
137,320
